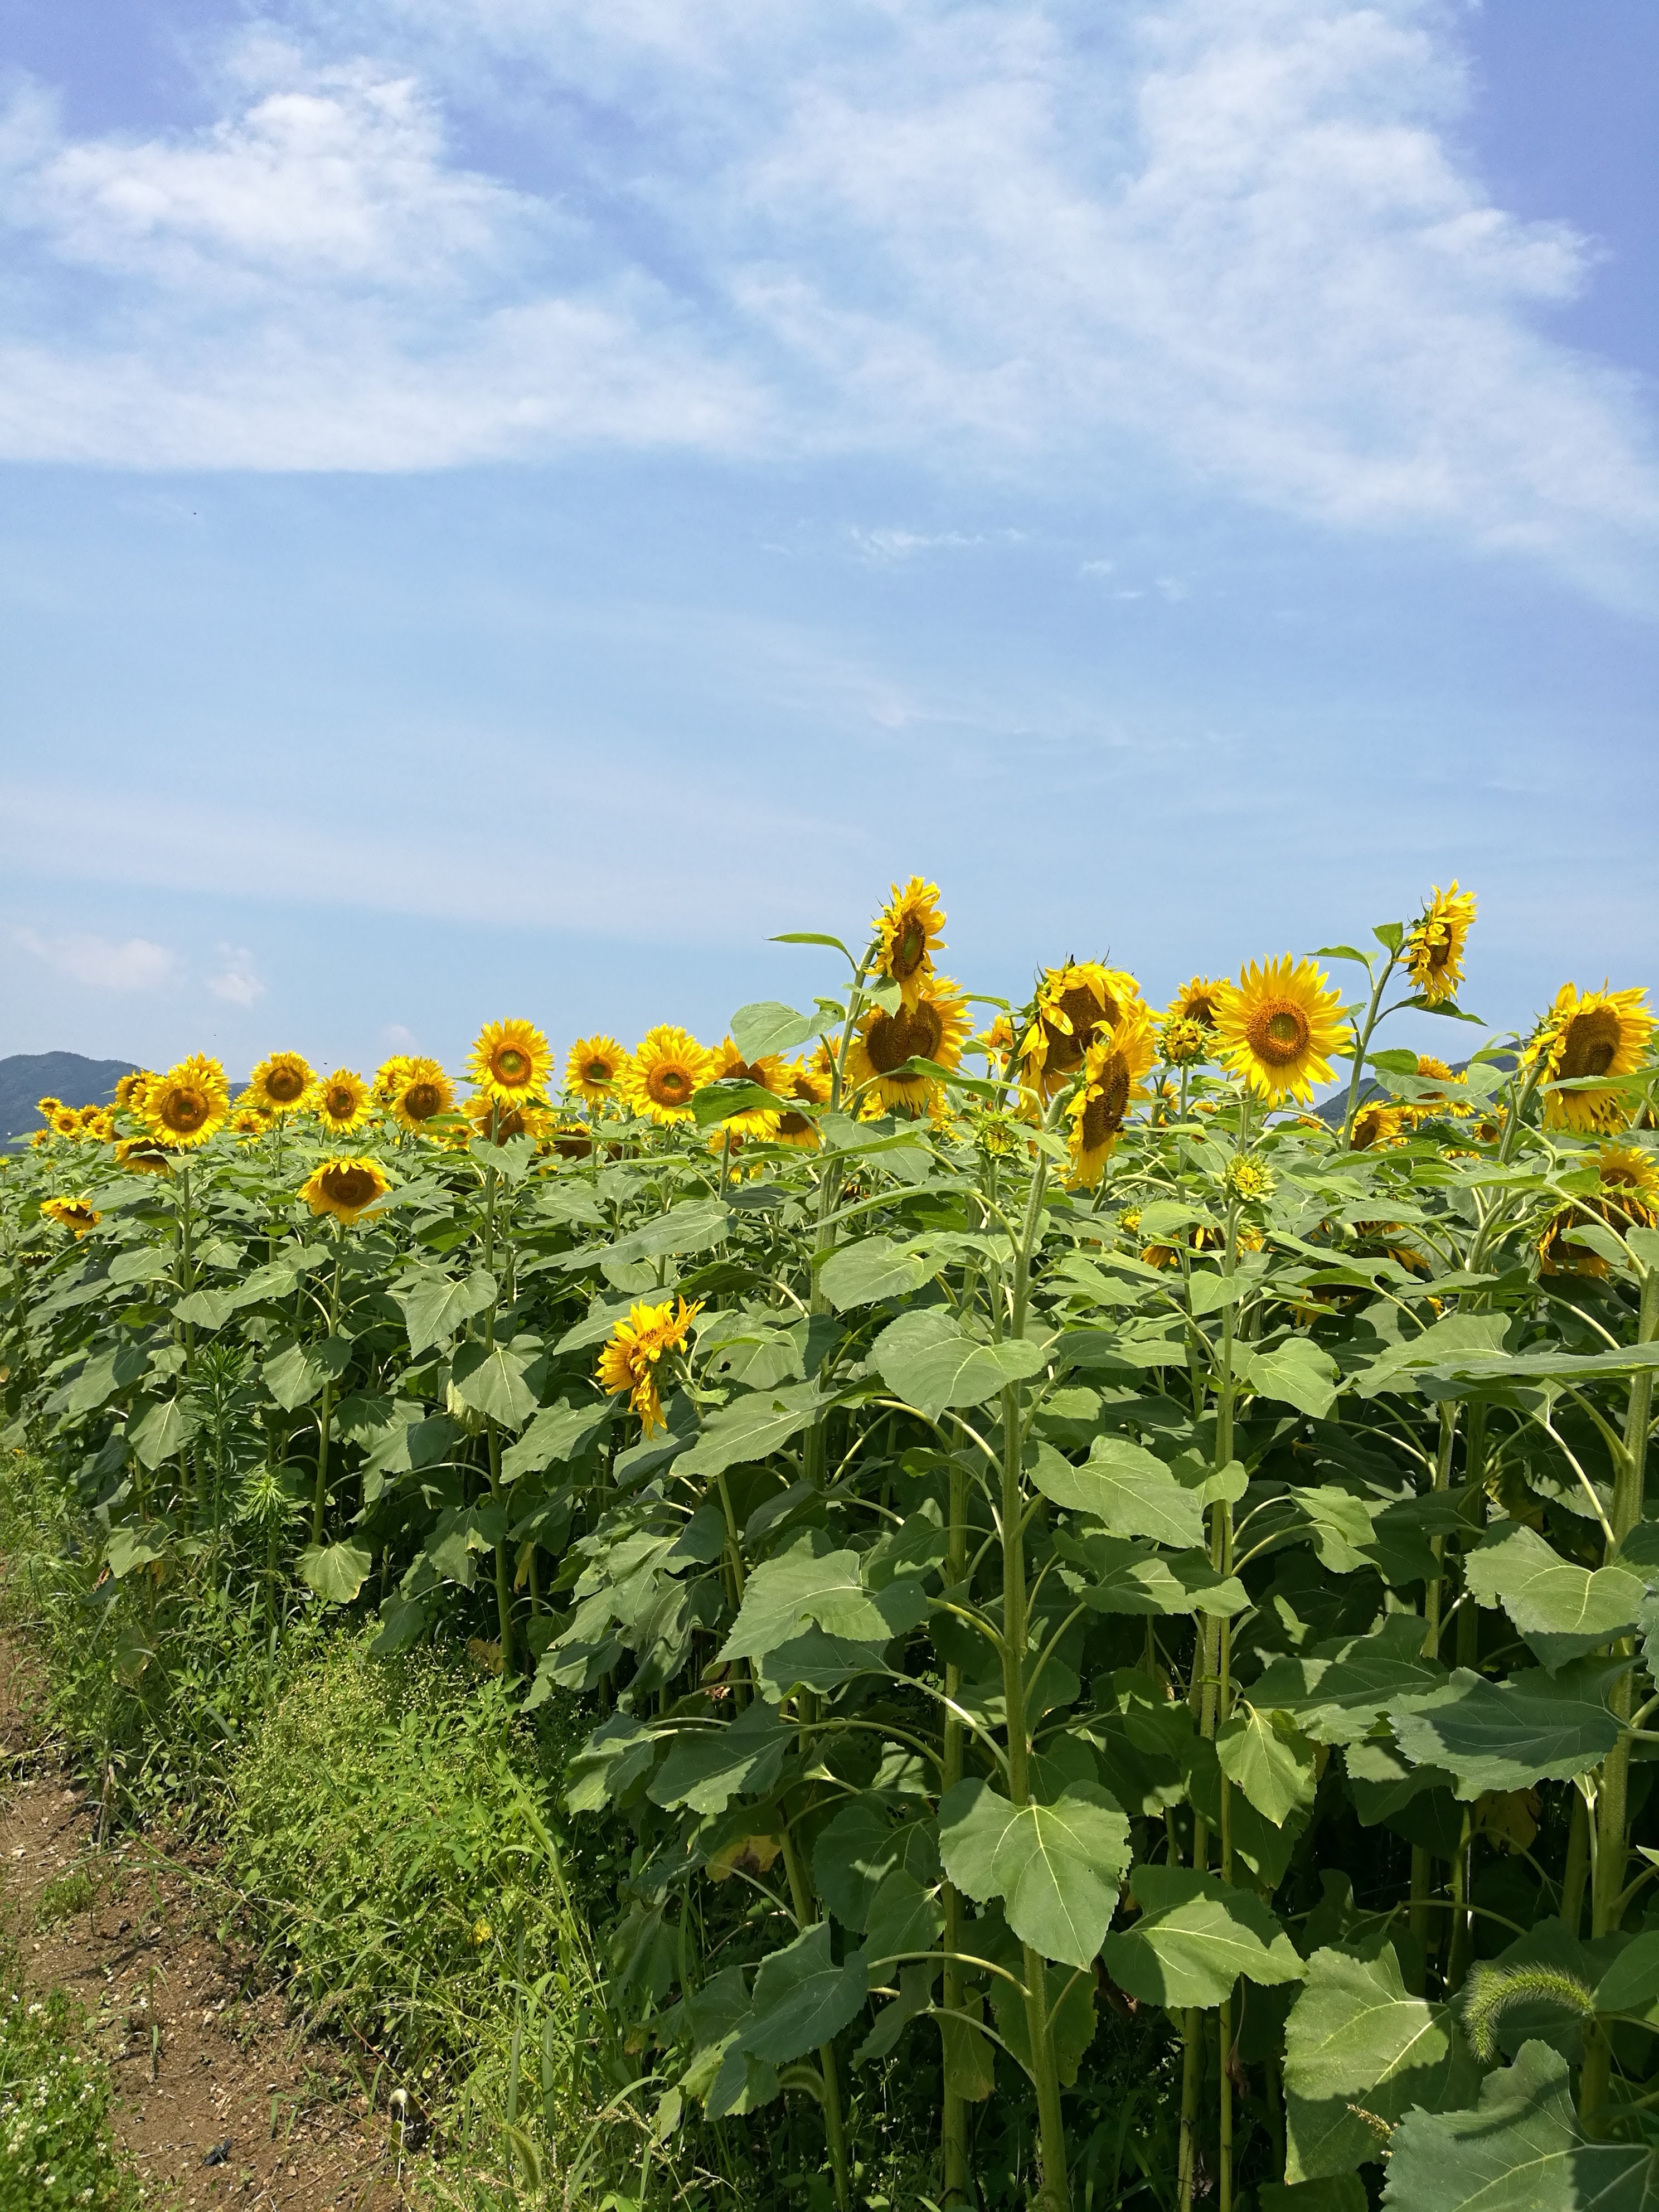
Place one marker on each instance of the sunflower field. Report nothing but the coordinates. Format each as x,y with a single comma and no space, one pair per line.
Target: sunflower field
1061,1549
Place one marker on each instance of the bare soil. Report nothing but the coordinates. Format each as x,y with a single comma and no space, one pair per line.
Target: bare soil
220,2092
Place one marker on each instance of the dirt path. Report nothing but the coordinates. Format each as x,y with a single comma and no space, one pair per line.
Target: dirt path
218,2093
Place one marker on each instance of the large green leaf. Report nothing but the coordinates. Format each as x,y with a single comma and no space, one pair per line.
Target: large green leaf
435,1306
1297,1372
1125,1574
1563,1610
1479,1335
904,1918
336,1572
558,1433
1507,1736
1522,2149
859,1275
491,1381
802,1999
1337,1692
768,1026
1266,1755
1055,1867
707,1767
930,1360
1124,1487
1195,1935
165,1429
690,1228
807,1585
1631,1983
857,1851
619,1751
752,1427
103,1378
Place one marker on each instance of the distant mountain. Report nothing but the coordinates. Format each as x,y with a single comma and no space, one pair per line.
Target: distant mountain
27,1076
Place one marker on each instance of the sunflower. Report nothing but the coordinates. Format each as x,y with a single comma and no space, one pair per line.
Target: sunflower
595,1068
130,1091
1600,1033
1376,1127
664,1070
279,1084
1075,1004
767,1073
1434,1103
102,1127
570,1140
1198,1001
66,1122
497,1124
1182,1041
89,1117
629,1359
340,1101
188,1104
345,1188
390,1077
46,1107
510,1062
144,1155
1626,1196
1112,1069
813,1088
998,1041
423,1090
247,1123
76,1214
1249,1179
1434,948
908,928
935,1028
1277,1024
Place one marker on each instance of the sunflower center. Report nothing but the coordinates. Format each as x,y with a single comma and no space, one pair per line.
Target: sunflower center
913,1033
1279,1032
1591,1043
792,1125
1201,1008
341,1104
285,1085
185,1110
1108,1099
349,1187
511,1065
669,1085
752,1072
912,945
1087,1018
598,1071
421,1101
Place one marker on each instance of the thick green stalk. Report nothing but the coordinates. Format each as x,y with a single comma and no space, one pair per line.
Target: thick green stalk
1361,1040
503,1584
325,1419
953,2117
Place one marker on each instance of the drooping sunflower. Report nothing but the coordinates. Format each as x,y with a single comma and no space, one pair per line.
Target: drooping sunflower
1197,1000
935,1028
424,1090
1434,946
188,1104
1598,1033
279,1084
1374,1127
1075,1004
767,1073
594,1069
1626,1196
664,1069
341,1100
390,1077
908,927
130,1091
510,1062
633,1351
1278,1026
1112,1071
78,1214
346,1188
144,1155
811,1089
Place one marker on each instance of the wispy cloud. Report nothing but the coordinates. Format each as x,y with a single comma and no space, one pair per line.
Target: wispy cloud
1008,237
237,982
134,964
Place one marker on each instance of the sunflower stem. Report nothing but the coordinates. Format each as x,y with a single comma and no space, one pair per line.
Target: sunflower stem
1362,1040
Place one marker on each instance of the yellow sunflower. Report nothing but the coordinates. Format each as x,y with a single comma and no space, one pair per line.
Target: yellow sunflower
767,1072
664,1070
510,1062
78,1214
66,1122
88,1116
247,1123
424,1090
341,1100
48,1106
594,1069
346,1188
1112,1069
1278,1026
1434,948
935,1028
497,1123
813,1088
1376,1127
188,1104
130,1091
908,927
1626,1197
103,1126
279,1084
1598,1033
1075,1004
1196,1001
390,1077
633,1350
1183,1041
144,1155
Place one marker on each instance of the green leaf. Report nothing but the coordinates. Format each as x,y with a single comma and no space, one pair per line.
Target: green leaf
491,1381
1343,952
619,1751
1336,1693
336,1572
1356,2038
434,1307
751,1428
1563,1610
1551,1366
166,1429
691,1228
1508,1735
810,936
129,1548
1264,1755
802,1999
858,1275
1447,1007
1297,1372
146,1265
1390,933
930,1360
1121,1574
558,1433
802,1587
768,1026
296,1372
1124,1487
861,1849
1055,1867
707,1767
1521,2149
1333,2192
206,1309
915,1997
904,1918
733,1094
104,1378
1478,1334
1195,1935
1632,1982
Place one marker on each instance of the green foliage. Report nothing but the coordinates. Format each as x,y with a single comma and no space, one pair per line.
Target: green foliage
56,2148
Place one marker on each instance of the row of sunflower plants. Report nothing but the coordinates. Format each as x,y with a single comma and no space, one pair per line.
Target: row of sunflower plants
1088,1537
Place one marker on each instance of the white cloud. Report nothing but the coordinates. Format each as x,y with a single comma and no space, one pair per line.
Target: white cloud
237,982
1010,237
134,964
396,1038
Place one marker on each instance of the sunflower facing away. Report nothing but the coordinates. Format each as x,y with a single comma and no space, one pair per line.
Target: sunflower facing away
279,1084
76,1213
346,1188
935,1028
908,928
1626,1196
390,1077
1075,1004
1602,1033
144,1155
1434,946
595,1068
188,1104
424,1090
510,1062
664,1070
341,1100
1278,1026
1112,1069
1374,1127
1196,1001
630,1358
767,1073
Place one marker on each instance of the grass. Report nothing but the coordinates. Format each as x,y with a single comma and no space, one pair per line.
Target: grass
56,2147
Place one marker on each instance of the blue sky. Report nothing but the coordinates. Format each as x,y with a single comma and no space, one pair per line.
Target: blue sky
507,504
